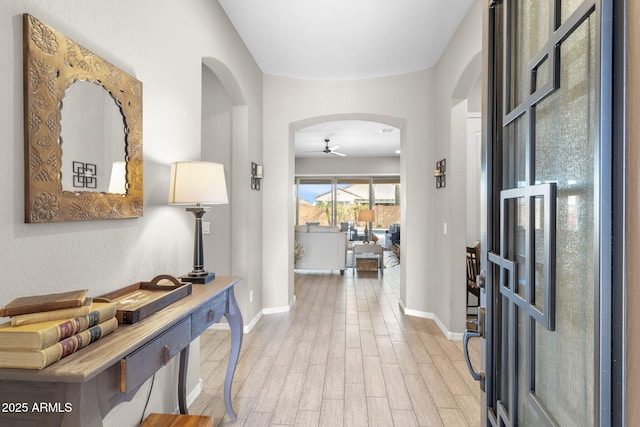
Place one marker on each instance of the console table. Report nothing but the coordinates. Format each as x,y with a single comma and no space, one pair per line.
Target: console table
82,388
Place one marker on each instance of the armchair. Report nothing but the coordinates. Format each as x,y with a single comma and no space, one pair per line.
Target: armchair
350,229
392,235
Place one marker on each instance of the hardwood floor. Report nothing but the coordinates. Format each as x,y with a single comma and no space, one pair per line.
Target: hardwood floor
344,355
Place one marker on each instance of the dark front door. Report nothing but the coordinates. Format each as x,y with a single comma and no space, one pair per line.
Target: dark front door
543,256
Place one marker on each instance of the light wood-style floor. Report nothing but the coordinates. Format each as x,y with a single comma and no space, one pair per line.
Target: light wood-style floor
344,355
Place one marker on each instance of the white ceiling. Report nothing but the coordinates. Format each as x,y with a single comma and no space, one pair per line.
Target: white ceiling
355,138
345,40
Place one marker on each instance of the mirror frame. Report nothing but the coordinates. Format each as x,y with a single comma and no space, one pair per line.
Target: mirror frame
52,63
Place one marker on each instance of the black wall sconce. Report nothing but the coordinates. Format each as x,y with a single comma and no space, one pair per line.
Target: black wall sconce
440,173
256,176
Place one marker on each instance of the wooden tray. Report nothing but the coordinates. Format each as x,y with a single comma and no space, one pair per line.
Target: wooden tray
142,299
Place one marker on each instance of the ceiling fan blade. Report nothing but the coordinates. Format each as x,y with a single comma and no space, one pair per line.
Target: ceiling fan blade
335,147
335,153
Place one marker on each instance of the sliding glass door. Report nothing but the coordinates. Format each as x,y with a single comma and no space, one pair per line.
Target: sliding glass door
352,196
386,205
314,201
338,200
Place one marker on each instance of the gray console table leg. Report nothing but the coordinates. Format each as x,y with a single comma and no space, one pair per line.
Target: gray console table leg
234,317
182,380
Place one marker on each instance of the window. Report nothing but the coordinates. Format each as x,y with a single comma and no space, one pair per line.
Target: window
337,201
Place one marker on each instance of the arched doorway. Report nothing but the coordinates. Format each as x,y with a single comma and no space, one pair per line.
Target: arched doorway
225,139
465,131
368,167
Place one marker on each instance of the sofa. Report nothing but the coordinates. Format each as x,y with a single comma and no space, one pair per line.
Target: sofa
324,247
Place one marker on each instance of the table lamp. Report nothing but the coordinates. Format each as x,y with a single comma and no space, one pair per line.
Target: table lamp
367,216
199,184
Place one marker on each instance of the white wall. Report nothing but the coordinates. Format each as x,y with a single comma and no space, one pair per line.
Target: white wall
344,166
457,72
473,170
291,104
421,103
232,247
216,147
162,43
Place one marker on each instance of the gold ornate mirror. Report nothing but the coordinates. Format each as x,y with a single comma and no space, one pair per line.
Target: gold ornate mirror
95,186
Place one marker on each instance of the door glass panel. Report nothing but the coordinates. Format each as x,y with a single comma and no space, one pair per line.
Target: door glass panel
516,247
504,363
541,74
565,146
538,254
529,32
515,154
567,7
526,416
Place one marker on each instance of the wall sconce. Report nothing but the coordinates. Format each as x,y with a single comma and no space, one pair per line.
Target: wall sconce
439,173
256,176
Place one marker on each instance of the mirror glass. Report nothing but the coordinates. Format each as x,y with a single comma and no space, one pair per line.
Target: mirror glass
83,132
92,137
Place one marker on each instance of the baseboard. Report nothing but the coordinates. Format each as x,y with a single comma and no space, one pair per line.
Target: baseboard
451,336
224,326
253,323
282,309
219,327
275,310
195,393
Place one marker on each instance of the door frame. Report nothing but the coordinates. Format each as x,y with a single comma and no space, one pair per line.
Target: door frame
626,223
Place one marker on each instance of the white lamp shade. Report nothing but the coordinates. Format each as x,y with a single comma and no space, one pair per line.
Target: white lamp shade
118,180
195,183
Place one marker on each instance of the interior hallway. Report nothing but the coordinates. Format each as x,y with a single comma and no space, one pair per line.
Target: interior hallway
344,355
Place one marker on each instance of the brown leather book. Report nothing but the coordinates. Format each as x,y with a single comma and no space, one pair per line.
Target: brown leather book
45,357
39,303
45,316
38,336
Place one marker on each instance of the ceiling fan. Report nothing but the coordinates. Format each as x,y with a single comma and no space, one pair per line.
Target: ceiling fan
331,150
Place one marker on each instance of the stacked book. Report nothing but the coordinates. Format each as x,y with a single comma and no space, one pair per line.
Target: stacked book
45,328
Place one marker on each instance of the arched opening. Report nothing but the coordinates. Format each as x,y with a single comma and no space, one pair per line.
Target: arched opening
225,139
216,146
466,151
359,170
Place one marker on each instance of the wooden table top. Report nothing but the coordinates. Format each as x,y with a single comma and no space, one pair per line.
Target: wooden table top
88,362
